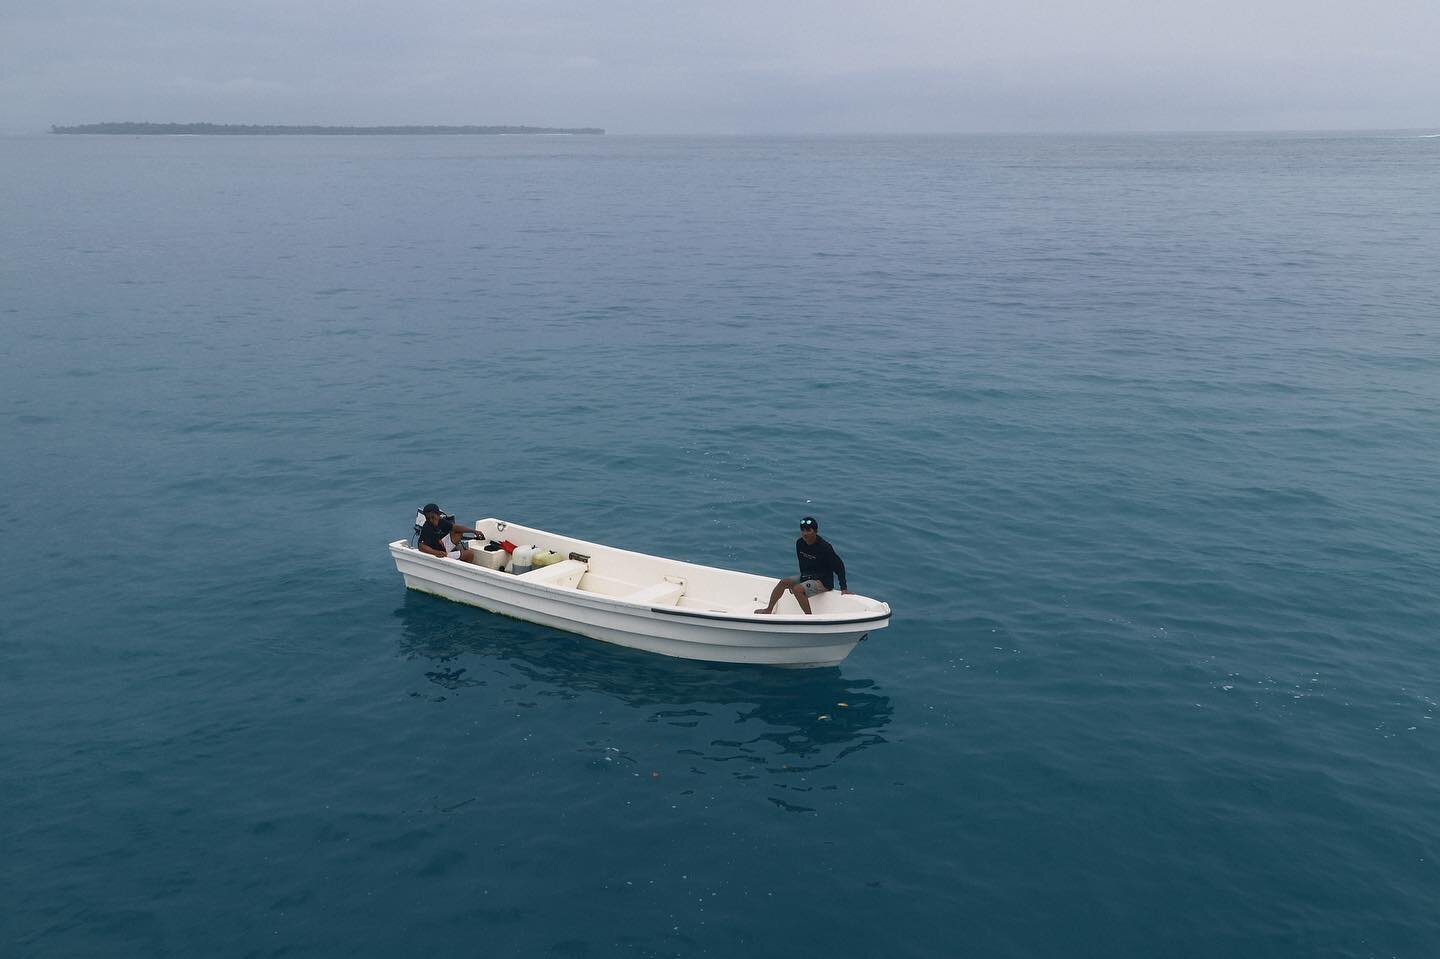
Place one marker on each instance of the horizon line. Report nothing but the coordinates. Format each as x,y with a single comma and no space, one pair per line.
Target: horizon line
736,134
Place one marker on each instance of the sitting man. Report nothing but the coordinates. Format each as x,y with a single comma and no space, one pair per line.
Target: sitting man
819,563
441,537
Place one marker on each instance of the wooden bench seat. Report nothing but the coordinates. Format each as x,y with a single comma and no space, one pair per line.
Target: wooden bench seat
660,594
566,573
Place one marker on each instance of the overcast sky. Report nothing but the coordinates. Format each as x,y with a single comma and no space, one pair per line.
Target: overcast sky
643,66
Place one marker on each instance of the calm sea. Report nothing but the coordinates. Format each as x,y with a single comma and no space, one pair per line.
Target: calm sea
1139,436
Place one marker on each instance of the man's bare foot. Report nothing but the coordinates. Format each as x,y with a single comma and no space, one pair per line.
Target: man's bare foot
763,612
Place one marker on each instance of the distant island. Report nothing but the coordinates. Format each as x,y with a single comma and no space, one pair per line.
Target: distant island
236,129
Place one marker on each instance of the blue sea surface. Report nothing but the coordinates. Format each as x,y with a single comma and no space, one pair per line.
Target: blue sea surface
1139,436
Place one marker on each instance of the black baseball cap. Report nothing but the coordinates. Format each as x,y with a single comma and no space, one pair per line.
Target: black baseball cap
809,523
429,508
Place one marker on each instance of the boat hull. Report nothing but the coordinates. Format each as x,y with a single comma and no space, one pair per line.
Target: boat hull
708,630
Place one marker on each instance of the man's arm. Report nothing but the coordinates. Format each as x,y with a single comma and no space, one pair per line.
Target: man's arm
838,565
440,535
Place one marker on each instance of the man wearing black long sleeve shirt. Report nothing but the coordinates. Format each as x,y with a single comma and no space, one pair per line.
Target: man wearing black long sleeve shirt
820,566
440,536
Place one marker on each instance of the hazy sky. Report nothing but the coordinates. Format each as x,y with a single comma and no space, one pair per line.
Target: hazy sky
641,66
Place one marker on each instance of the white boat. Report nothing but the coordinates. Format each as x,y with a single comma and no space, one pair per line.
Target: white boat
647,602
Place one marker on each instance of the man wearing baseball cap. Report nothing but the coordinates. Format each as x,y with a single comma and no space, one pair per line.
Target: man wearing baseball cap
440,536
820,565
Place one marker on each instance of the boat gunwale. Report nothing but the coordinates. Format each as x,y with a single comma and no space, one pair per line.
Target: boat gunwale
784,620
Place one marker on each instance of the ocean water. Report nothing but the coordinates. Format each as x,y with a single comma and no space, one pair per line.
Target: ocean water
1139,437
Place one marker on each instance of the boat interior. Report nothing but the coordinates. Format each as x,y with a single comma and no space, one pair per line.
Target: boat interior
653,581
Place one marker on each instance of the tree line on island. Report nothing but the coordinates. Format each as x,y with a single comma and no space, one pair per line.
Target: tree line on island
212,129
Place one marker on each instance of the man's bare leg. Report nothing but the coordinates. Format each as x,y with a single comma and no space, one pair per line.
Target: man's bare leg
780,587
800,596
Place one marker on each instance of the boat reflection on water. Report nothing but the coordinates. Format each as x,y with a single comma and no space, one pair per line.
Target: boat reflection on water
750,721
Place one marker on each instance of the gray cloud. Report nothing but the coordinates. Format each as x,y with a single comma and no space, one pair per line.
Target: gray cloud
642,66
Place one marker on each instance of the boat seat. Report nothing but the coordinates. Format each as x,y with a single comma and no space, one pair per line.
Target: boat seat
661,594
566,574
